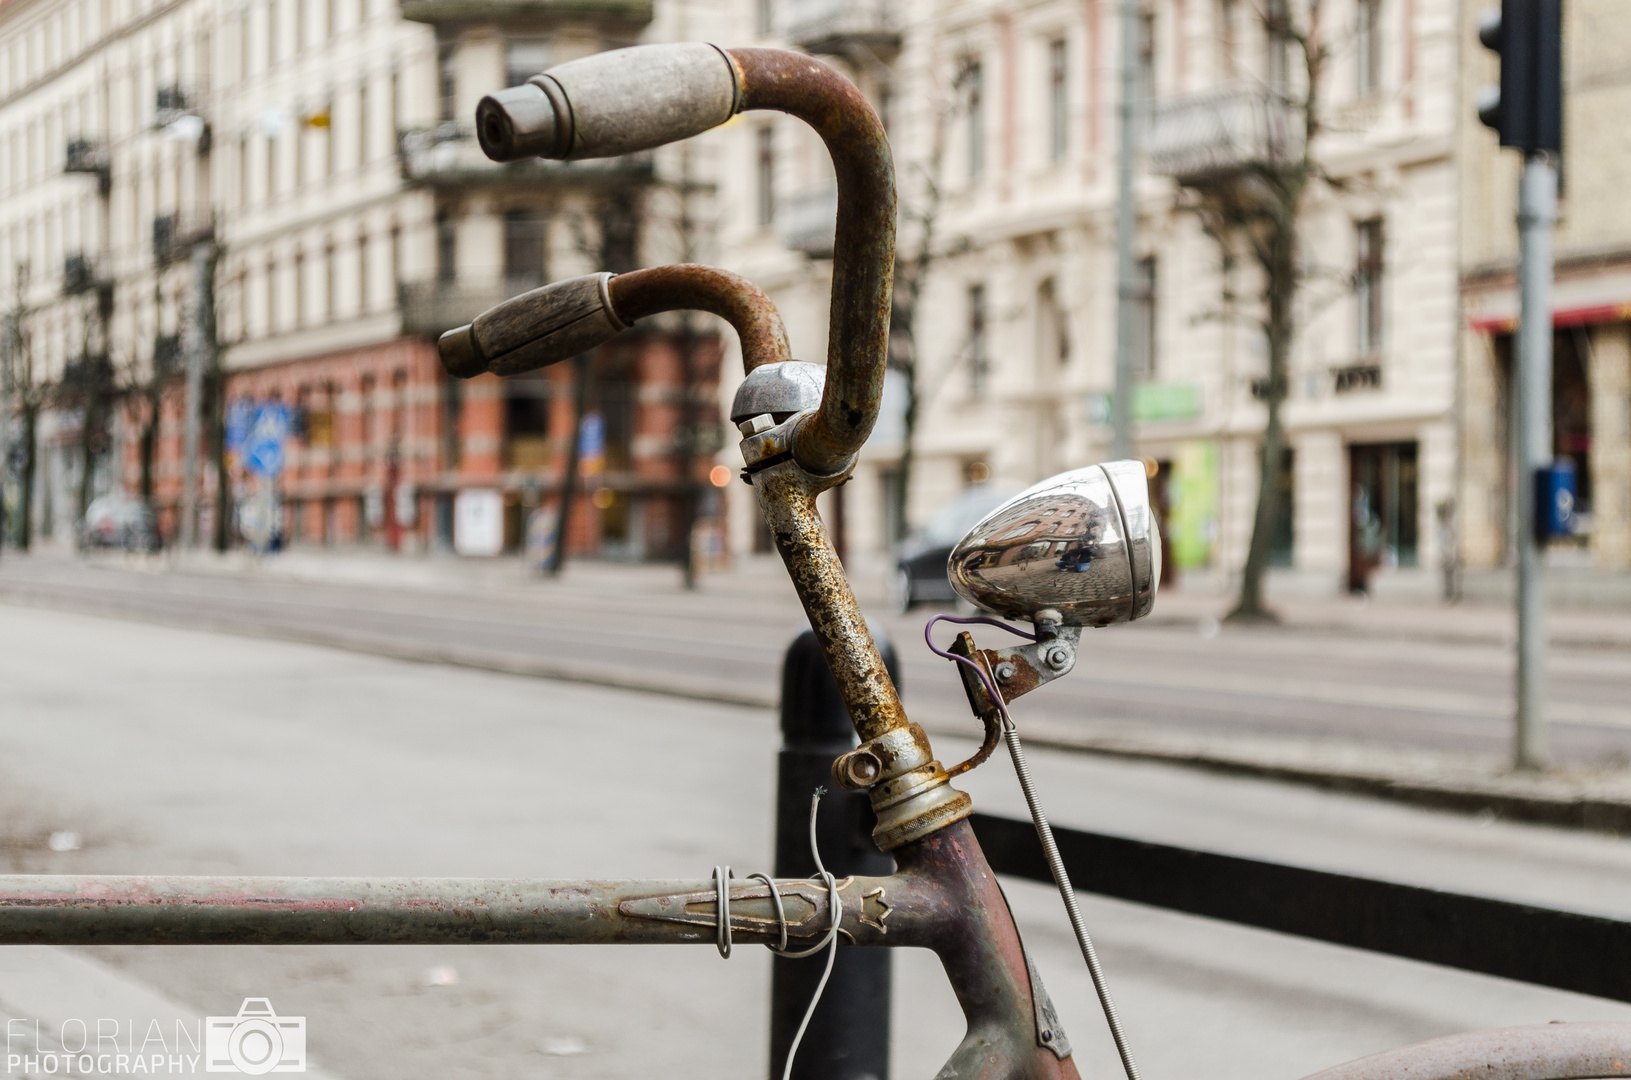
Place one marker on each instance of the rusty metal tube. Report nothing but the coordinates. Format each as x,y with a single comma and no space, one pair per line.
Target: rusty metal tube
801,540
863,245
944,898
1555,1051
49,910
1013,1030
692,287
911,797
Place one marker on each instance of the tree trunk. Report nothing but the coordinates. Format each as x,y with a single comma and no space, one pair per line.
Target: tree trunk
907,442
148,445
89,417
687,452
25,497
1280,286
216,412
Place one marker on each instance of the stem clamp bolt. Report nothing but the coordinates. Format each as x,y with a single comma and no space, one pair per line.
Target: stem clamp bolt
857,770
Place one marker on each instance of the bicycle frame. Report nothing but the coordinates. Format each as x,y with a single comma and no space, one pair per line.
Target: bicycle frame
944,896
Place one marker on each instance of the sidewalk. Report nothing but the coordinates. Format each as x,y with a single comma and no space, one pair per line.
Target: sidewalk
762,578
1467,622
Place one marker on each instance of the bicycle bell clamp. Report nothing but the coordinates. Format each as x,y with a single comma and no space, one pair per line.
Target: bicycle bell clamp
767,409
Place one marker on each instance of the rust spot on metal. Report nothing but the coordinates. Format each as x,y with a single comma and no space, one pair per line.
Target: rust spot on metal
689,286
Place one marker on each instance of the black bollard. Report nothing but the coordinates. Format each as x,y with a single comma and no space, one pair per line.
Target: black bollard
848,1037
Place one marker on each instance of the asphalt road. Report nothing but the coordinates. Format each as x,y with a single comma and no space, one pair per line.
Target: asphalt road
183,751
633,627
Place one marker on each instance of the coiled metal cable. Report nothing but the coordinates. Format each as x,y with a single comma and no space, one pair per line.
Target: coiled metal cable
722,877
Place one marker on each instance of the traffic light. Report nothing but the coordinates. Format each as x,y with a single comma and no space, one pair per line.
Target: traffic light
1527,109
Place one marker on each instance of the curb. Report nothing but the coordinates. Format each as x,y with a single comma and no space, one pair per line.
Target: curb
1443,636
1583,811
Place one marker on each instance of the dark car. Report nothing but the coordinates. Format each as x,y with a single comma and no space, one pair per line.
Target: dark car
920,559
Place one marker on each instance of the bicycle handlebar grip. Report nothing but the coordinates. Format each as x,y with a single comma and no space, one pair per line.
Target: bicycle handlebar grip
611,103
533,330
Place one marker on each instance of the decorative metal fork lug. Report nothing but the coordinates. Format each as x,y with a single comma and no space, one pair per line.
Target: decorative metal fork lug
751,910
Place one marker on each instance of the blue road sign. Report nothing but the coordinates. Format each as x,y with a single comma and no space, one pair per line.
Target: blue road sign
592,445
240,416
263,444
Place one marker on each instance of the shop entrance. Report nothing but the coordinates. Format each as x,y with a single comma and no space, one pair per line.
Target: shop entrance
1571,416
1382,510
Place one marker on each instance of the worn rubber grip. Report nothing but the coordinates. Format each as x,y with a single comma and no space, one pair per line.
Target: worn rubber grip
611,103
533,330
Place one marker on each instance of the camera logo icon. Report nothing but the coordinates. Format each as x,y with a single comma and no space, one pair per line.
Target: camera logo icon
255,1042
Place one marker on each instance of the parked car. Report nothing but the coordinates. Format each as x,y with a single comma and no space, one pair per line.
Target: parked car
116,521
920,559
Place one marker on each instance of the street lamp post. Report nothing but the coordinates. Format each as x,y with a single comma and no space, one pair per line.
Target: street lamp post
1537,214
1126,230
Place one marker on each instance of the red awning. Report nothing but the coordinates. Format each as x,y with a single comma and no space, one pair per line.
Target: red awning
1563,317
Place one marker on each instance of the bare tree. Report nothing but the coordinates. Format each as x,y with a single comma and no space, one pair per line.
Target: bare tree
143,394
87,385
1258,208
30,390
911,274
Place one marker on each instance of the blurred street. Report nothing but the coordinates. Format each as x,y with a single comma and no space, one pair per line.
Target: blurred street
185,751
1375,680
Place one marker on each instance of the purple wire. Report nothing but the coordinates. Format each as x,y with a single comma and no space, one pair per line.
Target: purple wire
985,680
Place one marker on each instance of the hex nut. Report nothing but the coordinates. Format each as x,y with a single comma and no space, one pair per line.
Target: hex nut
1006,671
756,425
1058,657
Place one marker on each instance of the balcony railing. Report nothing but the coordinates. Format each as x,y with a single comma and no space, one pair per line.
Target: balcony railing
78,274
808,219
433,307
174,237
86,156
1214,135
832,26
450,156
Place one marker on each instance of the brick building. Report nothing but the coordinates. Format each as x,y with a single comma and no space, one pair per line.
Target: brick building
319,153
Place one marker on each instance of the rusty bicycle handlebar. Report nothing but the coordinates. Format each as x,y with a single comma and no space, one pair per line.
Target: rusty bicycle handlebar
634,99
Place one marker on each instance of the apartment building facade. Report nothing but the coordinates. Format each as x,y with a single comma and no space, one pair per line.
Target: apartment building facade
318,154
1591,345
1003,121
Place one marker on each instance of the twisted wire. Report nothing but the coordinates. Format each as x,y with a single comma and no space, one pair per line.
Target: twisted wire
722,878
